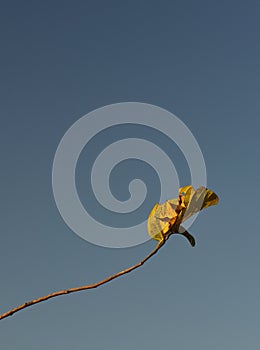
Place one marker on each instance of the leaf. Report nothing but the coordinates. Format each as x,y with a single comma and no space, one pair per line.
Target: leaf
167,217
200,199
162,218
154,226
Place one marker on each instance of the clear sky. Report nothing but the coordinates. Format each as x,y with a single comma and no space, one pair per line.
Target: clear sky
197,59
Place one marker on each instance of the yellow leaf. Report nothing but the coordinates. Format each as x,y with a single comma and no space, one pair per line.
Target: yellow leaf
200,199
153,225
168,216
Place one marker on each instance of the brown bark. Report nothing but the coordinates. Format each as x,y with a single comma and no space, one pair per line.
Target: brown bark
81,288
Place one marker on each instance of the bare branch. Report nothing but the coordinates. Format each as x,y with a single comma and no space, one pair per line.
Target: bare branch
90,286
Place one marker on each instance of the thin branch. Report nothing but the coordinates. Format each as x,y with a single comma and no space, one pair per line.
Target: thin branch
90,286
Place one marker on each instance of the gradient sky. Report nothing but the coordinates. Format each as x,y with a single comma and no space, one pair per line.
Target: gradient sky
197,59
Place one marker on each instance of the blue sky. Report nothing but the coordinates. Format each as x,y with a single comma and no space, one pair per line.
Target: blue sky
199,60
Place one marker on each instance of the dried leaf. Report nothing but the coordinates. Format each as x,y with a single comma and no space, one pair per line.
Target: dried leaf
168,216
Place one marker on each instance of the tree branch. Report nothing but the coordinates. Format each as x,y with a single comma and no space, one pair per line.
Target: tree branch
90,286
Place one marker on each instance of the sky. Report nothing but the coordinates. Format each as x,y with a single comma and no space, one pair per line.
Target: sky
198,60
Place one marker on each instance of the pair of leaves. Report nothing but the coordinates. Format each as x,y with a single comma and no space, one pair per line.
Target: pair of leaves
167,217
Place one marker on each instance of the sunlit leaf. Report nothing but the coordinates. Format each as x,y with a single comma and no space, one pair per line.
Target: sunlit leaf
167,217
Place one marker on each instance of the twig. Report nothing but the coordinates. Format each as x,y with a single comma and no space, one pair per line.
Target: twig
90,286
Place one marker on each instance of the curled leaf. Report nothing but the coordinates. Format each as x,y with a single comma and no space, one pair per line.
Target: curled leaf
167,217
